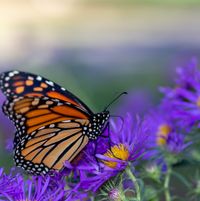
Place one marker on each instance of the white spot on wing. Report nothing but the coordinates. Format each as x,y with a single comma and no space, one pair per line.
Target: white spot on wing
41,128
39,78
50,83
30,78
11,74
67,121
15,72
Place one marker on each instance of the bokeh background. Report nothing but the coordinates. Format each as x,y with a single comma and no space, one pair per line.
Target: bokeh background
98,48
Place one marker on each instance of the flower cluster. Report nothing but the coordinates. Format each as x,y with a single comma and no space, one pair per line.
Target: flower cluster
164,133
109,166
127,145
184,98
14,187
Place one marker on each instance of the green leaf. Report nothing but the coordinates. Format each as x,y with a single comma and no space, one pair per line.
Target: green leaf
182,179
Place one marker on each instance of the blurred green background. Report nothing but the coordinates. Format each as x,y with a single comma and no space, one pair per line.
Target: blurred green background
98,48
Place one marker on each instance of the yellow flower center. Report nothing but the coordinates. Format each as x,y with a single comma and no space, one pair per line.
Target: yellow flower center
162,134
198,102
117,152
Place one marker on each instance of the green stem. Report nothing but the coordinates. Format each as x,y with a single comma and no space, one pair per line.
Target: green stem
134,180
122,195
166,184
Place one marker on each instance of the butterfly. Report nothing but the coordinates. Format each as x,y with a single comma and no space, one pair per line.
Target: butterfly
52,124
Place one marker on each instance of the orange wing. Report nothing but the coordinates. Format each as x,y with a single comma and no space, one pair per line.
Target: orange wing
48,148
48,118
32,113
18,84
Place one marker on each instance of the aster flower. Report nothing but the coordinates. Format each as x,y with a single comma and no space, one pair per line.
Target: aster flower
176,143
128,140
160,126
43,188
91,174
184,98
132,134
15,187
164,134
10,185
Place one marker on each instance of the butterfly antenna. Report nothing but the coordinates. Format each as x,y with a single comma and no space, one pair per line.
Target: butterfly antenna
123,93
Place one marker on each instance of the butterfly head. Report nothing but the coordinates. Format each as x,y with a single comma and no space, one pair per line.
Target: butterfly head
97,125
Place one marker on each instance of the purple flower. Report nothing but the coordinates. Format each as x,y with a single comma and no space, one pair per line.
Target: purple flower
160,125
164,133
10,186
184,98
15,187
176,143
44,188
90,175
132,134
128,139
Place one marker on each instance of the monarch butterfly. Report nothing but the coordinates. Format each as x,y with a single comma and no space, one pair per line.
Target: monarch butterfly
52,124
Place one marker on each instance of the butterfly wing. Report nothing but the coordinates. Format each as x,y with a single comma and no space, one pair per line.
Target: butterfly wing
48,148
48,118
49,132
18,84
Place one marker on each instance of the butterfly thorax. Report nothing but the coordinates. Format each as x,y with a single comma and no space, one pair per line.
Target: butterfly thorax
96,125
